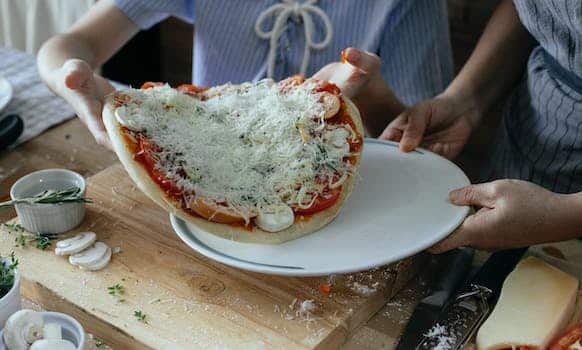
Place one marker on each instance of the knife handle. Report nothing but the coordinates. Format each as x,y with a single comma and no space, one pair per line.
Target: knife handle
11,128
454,266
493,273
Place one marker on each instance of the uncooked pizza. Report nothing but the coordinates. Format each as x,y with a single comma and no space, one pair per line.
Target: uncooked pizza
258,162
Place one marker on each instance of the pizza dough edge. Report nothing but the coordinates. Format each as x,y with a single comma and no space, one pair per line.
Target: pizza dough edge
143,181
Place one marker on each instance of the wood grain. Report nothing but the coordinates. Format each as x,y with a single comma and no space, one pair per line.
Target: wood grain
190,301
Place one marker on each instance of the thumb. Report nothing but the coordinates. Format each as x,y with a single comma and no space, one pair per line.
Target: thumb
77,73
479,195
363,60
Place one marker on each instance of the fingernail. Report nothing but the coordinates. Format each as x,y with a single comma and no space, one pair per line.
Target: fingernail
353,55
406,147
344,56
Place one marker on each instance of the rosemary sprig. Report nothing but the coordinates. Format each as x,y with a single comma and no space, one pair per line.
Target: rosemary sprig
7,271
69,195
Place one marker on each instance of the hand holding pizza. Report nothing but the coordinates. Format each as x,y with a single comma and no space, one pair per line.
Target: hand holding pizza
358,76
85,91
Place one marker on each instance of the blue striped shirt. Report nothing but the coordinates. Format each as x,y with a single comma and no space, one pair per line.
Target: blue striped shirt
410,36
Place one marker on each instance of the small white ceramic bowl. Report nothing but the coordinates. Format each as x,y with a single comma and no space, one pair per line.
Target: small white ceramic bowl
10,303
48,218
72,329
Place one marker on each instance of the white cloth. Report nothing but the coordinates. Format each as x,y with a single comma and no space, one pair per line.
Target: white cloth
39,108
299,11
26,24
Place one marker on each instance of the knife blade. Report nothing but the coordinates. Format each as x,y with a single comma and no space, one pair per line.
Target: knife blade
469,308
453,268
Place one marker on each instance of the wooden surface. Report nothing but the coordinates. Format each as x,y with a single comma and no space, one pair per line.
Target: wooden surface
190,301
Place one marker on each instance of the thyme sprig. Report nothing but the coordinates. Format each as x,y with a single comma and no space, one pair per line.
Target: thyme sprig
41,240
69,195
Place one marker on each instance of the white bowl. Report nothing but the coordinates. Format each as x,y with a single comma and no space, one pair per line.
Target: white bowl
48,218
10,303
72,329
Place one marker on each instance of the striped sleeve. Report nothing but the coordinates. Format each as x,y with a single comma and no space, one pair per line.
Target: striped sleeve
415,50
146,13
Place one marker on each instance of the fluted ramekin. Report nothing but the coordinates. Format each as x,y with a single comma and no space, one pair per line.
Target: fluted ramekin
48,218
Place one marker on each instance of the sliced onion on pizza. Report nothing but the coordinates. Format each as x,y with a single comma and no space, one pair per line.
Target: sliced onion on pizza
258,162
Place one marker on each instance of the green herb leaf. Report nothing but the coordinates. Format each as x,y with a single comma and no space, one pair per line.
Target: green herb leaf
7,273
116,290
13,228
140,316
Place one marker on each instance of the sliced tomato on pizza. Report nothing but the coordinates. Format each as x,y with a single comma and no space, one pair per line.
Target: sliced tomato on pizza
257,162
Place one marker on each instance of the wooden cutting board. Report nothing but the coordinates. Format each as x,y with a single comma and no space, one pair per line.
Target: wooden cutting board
191,302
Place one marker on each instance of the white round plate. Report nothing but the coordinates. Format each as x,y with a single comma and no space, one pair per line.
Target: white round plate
399,208
5,92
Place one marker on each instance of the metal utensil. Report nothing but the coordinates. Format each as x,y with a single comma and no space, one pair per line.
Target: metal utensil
11,127
463,316
453,269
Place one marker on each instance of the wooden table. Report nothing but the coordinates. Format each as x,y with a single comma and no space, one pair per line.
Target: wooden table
71,146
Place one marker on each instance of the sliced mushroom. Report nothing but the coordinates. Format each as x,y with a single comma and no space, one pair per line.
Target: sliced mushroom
123,118
276,218
101,263
75,244
90,255
53,344
23,328
52,331
331,103
338,138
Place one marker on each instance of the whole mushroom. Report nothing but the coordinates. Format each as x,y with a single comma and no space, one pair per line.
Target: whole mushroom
22,329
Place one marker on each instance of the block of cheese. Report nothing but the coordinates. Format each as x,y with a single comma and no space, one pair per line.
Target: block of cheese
536,302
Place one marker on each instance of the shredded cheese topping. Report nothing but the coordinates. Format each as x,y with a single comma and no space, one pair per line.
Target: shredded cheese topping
248,147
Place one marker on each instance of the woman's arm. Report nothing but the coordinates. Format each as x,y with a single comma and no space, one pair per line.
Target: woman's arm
67,61
498,61
443,124
93,39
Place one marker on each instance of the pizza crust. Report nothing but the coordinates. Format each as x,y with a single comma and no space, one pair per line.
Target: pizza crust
143,181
